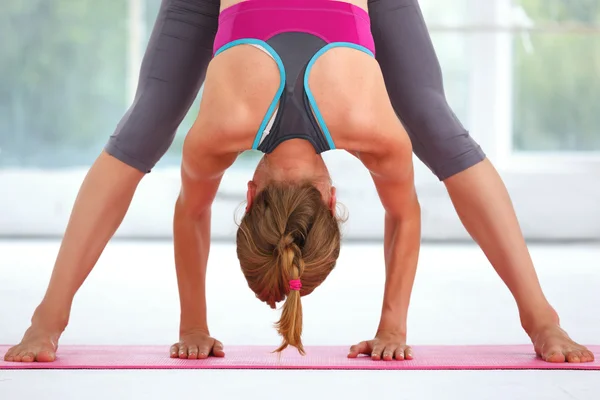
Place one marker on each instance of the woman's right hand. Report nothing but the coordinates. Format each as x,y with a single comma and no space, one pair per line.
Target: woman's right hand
194,345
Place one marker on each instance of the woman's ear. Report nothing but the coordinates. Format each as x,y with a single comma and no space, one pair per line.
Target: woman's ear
333,200
250,194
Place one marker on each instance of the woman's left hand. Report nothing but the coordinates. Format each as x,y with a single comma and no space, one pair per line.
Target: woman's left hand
386,346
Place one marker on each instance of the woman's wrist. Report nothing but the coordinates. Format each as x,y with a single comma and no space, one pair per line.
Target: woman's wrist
193,325
392,322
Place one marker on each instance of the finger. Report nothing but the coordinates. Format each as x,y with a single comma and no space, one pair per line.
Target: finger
192,352
217,350
174,351
377,352
183,351
408,353
203,350
388,352
399,353
361,348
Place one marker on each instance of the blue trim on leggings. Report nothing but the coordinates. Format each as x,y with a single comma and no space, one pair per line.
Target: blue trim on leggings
271,109
311,98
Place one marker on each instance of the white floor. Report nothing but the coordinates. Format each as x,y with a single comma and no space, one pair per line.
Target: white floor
131,298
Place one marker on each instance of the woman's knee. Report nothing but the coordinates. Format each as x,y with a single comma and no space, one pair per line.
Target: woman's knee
148,128
140,142
439,139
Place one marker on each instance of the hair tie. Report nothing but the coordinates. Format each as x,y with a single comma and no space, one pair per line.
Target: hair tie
295,284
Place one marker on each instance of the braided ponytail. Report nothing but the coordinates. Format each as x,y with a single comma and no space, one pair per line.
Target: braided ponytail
288,234
289,325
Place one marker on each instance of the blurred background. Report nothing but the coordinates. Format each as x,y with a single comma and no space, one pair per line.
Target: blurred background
522,75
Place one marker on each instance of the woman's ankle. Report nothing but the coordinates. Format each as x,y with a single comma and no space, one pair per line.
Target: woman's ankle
537,318
50,317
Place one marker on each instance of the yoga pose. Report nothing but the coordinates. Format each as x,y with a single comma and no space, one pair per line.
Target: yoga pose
295,104
173,69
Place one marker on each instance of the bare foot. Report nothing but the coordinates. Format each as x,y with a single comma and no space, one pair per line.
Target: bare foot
37,345
553,344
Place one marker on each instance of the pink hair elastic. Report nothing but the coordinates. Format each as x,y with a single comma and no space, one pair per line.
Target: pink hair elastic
295,284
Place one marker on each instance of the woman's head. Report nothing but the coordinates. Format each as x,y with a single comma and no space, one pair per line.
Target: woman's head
290,232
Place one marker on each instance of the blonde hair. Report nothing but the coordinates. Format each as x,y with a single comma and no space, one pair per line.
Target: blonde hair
288,233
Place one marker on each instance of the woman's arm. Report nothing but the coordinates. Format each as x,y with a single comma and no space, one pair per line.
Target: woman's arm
402,238
394,180
191,234
201,175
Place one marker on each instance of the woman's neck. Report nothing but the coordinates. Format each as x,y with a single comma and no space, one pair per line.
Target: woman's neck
295,158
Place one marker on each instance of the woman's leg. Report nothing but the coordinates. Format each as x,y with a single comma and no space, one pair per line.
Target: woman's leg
173,68
414,82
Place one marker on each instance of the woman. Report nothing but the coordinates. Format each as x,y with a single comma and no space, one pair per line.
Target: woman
172,71
279,83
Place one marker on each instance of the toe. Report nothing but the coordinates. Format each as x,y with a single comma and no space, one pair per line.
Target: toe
28,357
588,356
554,355
573,356
10,354
45,356
20,356
408,353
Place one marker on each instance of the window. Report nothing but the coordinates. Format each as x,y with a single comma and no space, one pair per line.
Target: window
522,75
533,72
64,79
557,77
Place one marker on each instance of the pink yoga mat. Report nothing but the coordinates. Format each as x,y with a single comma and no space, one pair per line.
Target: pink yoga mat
260,357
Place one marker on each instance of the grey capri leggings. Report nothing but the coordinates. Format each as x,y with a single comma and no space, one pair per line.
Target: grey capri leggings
180,49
